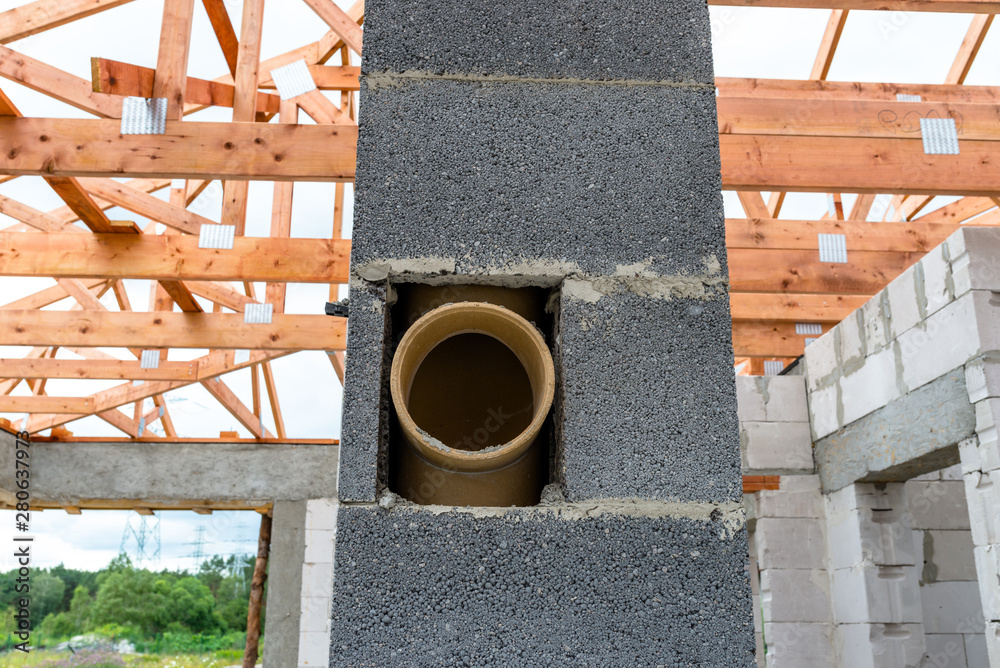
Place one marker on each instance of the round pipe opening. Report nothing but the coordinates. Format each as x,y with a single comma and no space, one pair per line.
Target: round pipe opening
472,384
471,393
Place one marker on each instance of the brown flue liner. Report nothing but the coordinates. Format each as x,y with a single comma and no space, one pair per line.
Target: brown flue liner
472,384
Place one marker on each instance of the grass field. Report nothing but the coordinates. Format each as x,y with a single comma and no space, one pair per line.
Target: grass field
93,659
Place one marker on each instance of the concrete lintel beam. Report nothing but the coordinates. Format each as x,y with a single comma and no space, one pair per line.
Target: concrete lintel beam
171,474
914,434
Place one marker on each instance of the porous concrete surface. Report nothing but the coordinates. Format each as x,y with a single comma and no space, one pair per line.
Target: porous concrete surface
365,413
163,473
915,434
536,179
649,399
284,585
526,588
586,39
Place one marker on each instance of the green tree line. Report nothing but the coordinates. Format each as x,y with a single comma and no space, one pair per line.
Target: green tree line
67,602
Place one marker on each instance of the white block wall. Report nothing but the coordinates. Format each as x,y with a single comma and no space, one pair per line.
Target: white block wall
949,590
975,267
794,585
774,425
869,577
929,321
317,583
900,587
875,580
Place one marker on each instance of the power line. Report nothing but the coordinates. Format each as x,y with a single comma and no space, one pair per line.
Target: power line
141,539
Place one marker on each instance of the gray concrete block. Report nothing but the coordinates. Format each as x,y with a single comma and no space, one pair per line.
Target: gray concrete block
914,434
584,39
425,588
365,421
537,180
649,398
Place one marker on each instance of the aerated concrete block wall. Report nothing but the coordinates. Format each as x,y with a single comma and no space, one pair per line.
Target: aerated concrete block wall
869,575
949,589
891,387
906,386
874,577
774,425
789,531
573,146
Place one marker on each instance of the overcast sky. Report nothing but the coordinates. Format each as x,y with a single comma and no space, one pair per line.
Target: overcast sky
759,42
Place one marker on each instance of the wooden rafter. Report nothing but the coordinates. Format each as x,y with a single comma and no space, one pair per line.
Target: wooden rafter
116,79
170,330
792,307
918,236
170,79
797,163
144,204
969,49
57,84
223,27
793,163
763,338
281,214
255,151
867,272
853,90
343,25
753,204
828,45
33,217
86,209
214,364
225,396
887,119
42,15
165,419
234,201
66,217
272,395
329,77
47,297
959,211
95,369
